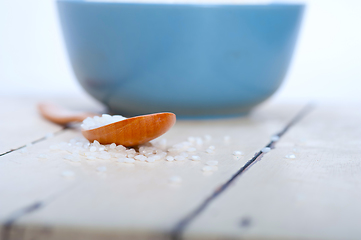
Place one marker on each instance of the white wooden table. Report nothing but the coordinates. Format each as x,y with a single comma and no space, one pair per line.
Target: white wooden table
316,195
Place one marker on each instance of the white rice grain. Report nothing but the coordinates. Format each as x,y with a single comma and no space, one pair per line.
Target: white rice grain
210,151
49,135
141,158
179,158
291,156
43,156
170,158
105,119
199,141
275,138
212,163
265,150
237,153
91,157
151,159
129,160
121,160
195,158
207,169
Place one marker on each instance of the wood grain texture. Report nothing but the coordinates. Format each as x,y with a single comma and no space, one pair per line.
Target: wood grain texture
129,200
20,123
132,131
313,196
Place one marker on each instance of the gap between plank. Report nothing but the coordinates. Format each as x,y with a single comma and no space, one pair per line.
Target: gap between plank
178,230
36,141
35,206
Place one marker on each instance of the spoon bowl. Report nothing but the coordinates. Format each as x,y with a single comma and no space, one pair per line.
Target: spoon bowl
132,131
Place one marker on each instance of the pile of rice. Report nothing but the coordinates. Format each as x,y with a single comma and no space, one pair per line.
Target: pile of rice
80,148
96,121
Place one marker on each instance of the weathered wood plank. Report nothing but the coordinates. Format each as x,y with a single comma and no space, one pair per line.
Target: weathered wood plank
21,123
128,199
313,196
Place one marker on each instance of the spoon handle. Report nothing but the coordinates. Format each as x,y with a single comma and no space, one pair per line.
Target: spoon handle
60,115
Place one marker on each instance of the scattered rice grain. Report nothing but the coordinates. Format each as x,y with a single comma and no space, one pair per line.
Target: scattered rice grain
175,179
210,151
121,160
120,148
237,153
195,158
49,135
141,158
151,159
91,157
207,169
265,150
43,156
129,160
179,158
275,138
92,149
212,163
199,141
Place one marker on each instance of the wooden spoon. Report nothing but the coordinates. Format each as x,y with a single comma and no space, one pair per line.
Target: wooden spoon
132,131
62,116
129,132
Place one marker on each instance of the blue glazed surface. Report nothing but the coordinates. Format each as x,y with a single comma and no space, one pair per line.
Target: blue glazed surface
193,60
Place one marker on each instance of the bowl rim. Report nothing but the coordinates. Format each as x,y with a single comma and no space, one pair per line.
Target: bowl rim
196,4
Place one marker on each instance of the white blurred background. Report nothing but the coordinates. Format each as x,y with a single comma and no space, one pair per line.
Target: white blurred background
326,65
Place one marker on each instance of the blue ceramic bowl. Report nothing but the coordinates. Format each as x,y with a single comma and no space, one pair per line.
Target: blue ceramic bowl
193,60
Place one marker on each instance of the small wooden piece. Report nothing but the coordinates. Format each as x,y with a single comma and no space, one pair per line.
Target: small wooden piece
132,131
